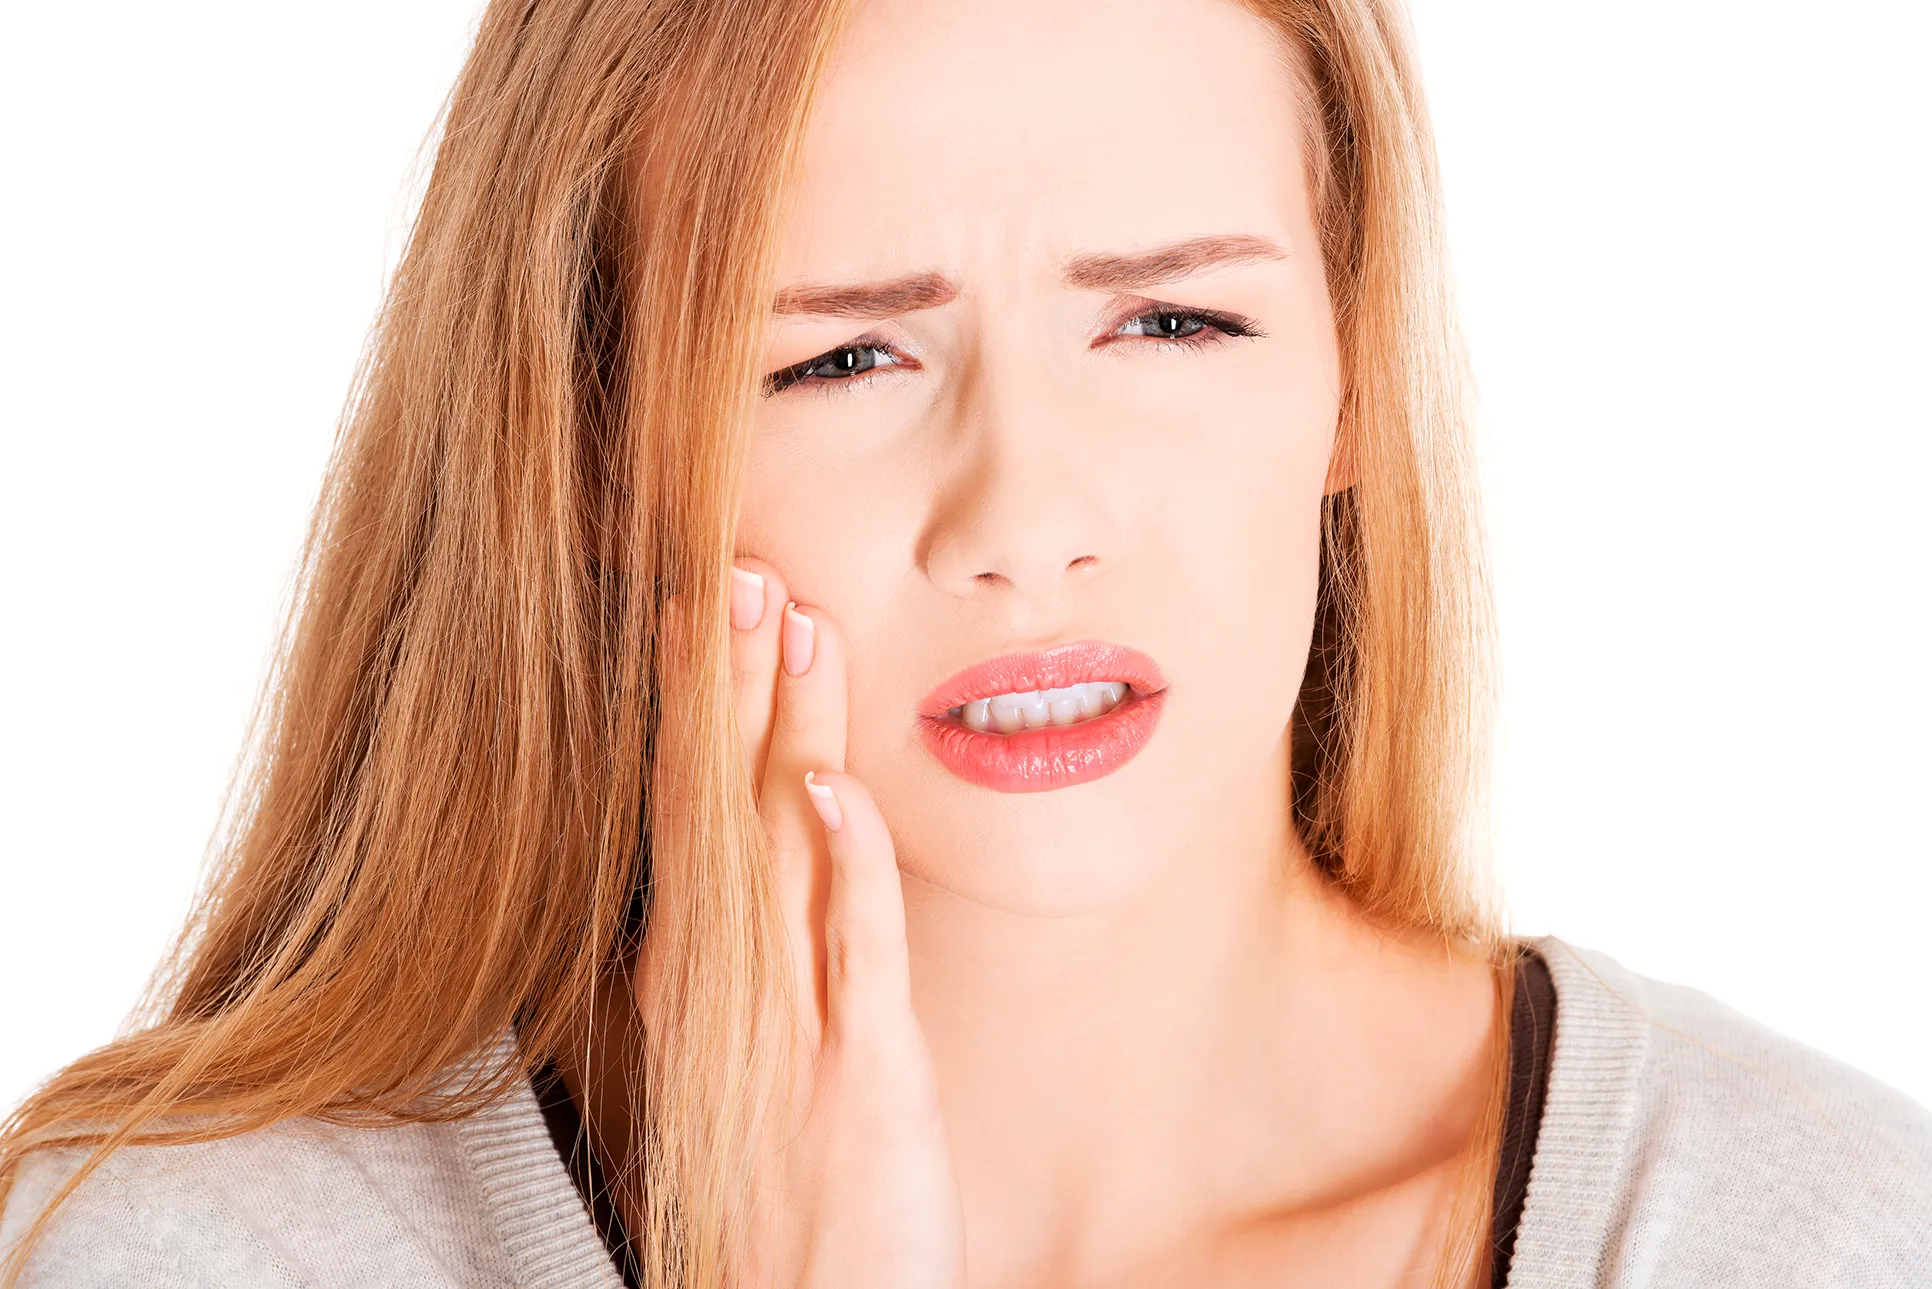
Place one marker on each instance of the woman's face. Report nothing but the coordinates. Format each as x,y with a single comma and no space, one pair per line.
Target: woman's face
1077,384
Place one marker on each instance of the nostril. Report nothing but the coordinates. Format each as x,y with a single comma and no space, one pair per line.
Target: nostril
1083,561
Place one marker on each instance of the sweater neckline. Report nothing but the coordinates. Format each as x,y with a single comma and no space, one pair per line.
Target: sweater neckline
1582,1162
531,1202
1578,1172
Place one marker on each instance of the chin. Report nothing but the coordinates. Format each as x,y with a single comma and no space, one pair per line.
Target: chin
1090,846
1075,851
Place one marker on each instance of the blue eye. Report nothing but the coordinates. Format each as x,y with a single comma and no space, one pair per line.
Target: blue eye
842,363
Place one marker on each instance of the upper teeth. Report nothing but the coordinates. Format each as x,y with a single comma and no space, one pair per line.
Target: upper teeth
1037,708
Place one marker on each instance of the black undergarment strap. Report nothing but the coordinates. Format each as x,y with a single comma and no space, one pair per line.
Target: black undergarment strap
567,1133
1532,1025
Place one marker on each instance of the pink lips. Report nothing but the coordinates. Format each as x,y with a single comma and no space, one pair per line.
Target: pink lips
1057,756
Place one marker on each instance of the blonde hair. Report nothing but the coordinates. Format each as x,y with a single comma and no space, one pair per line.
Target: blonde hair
445,826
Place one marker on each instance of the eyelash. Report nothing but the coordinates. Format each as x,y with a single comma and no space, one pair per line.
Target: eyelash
1216,326
795,375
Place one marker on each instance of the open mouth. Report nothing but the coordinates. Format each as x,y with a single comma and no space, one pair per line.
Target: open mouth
1037,721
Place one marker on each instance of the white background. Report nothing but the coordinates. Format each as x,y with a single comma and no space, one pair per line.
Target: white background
1691,243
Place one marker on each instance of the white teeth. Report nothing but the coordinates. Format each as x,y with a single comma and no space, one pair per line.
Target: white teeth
1006,714
1063,705
1038,708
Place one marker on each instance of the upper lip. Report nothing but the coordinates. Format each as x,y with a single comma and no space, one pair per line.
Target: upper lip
1055,668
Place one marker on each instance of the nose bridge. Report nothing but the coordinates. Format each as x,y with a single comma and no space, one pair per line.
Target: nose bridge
1022,505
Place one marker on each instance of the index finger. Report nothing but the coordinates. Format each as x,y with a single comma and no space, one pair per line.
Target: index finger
757,614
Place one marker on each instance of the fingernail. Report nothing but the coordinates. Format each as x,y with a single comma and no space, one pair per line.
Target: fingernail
825,803
799,636
747,598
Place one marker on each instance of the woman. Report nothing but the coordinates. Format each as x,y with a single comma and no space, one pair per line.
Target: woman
889,693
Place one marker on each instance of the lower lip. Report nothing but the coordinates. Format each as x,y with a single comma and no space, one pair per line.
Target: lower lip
1055,756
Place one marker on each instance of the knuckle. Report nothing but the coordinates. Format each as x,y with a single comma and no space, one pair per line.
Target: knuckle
794,717
846,953
858,954
842,957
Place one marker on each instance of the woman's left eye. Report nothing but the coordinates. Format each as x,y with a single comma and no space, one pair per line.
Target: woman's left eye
1184,324
842,363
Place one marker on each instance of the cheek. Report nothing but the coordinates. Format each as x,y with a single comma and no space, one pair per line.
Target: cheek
1241,508
840,532
808,520
1243,527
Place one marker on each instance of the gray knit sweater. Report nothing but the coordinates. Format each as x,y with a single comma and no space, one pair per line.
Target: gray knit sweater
1681,1145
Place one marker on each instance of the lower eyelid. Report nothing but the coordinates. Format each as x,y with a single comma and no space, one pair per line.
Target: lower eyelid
1209,334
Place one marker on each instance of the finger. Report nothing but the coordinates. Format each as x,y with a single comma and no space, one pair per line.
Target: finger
808,719
808,733
757,618
868,978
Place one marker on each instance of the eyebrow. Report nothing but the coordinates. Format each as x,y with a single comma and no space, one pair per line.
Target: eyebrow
1166,263
867,299
1100,272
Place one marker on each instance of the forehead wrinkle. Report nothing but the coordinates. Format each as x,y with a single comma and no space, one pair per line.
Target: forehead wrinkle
886,299
1118,272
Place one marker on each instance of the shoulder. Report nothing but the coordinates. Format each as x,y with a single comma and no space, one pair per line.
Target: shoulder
264,1208
481,1202
1708,1149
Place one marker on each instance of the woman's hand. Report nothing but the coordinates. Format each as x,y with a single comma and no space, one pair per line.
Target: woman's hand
854,1184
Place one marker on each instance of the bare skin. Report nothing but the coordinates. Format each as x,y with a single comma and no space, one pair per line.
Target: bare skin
1122,1033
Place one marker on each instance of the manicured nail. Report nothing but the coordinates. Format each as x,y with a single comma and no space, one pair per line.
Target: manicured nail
825,803
747,598
799,638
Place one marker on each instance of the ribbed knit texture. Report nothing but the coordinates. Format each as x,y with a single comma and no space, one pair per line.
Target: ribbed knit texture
1583,1148
481,1203
1682,1147
535,1207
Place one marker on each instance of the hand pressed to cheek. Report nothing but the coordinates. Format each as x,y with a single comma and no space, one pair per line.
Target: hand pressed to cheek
806,736
859,1120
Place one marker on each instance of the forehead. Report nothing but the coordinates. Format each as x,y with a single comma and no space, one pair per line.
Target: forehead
948,131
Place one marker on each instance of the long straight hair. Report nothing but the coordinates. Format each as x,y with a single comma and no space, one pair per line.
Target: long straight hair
444,828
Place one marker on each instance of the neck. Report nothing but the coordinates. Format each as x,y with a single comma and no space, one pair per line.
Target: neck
1236,1047
1236,1039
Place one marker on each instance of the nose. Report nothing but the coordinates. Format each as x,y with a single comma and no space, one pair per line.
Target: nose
1023,511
